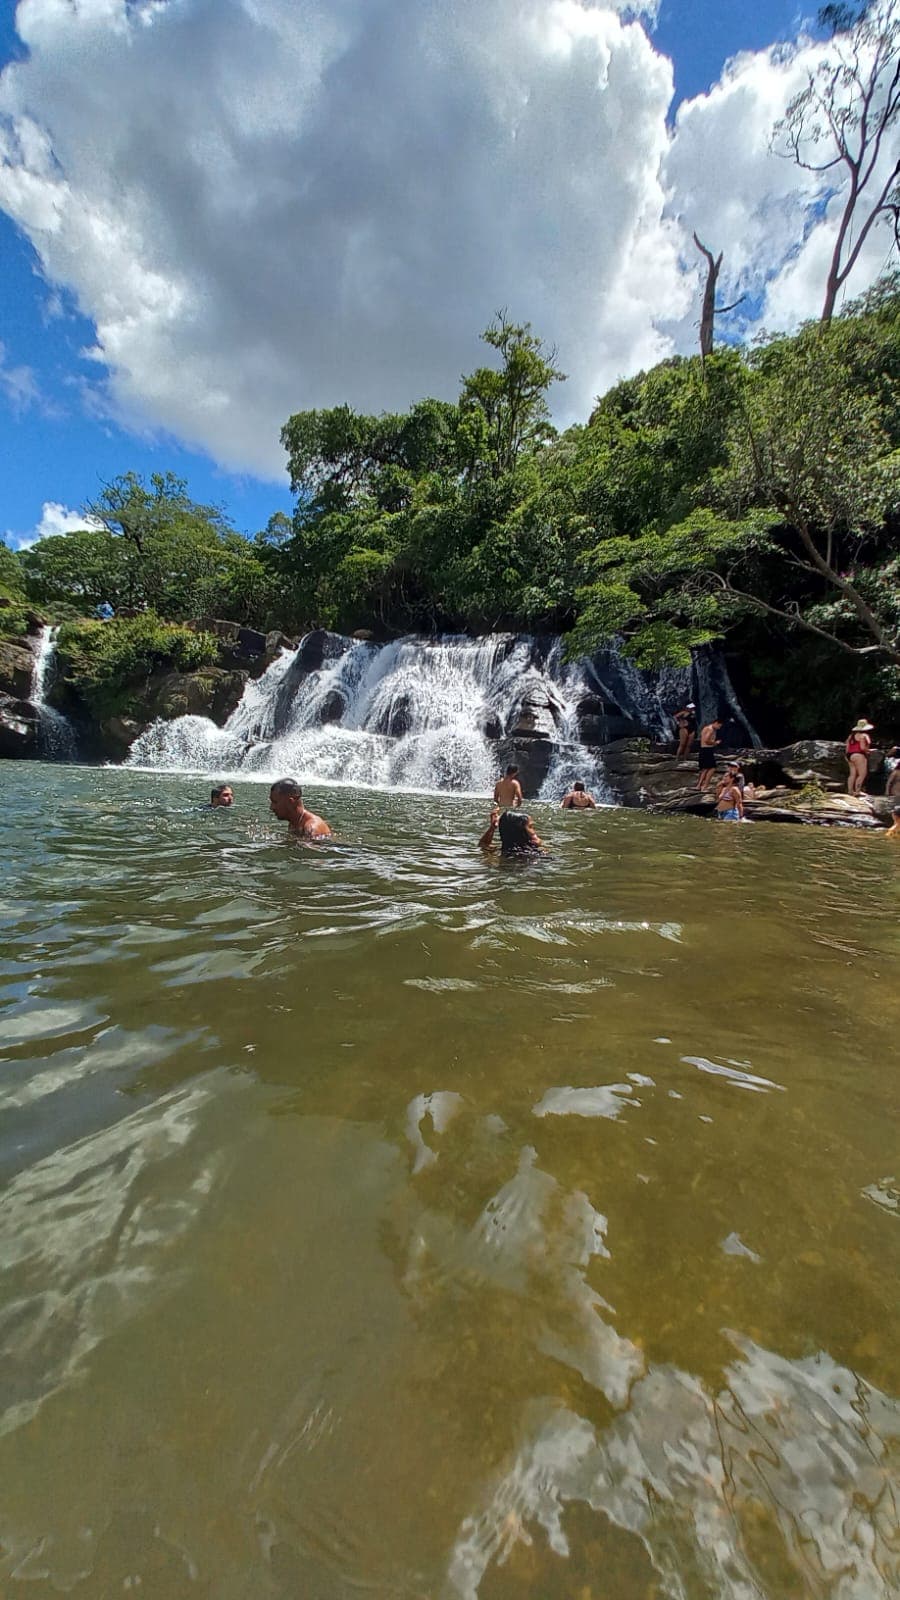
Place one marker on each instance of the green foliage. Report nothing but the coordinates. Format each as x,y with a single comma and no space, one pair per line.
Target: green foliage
14,607
108,664
151,546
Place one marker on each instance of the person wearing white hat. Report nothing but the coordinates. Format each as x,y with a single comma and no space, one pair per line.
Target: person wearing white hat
686,723
857,747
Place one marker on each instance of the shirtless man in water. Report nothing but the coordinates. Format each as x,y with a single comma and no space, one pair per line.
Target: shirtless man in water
286,803
578,799
508,790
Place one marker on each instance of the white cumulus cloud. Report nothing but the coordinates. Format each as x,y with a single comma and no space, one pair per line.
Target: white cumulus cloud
264,205
55,518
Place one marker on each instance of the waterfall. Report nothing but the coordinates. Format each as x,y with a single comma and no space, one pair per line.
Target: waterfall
55,735
416,714
436,714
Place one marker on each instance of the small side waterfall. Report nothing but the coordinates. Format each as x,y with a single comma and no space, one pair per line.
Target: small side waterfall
55,737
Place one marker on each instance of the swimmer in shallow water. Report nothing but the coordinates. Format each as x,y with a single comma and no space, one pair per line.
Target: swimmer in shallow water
578,799
221,795
286,803
518,836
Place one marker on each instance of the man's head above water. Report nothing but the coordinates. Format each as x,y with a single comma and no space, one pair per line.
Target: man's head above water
222,795
286,799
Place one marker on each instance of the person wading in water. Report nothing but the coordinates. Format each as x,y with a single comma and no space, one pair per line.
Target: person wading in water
730,798
517,834
508,790
706,760
286,803
578,799
857,747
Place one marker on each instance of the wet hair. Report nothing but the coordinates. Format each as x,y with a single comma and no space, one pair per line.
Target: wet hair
514,827
218,791
289,787
578,785
511,771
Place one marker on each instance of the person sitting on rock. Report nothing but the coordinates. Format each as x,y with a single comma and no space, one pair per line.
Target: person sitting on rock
221,795
686,722
508,790
578,799
286,803
517,834
894,829
706,759
892,767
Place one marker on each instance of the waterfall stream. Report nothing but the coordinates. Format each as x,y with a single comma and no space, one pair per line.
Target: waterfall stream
56,737
415,714
433,714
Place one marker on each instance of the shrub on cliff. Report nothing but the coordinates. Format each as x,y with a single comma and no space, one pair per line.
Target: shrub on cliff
108,665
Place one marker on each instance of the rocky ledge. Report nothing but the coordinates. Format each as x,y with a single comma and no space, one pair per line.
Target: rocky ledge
802,783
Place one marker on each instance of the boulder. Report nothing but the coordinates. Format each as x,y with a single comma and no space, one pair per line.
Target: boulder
536,717
365,634
396,719
317,648
490,724
333,706
820,761
212,692
227,631
276,642
16,669
18,727
119,734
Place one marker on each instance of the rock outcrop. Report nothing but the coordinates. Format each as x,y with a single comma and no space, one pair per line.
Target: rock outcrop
16,669
18,727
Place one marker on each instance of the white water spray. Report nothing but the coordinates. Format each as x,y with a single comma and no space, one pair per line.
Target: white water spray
55,737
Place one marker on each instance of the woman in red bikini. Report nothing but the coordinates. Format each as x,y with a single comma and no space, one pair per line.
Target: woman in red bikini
857,747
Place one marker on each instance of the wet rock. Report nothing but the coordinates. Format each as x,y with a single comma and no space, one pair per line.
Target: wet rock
317,648
118,735
365,634
537,716
396,719
276,642
16,669
18,727
595,729
490,725
820,761
333,706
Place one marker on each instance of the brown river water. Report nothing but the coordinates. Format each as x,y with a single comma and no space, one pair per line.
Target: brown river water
379,1220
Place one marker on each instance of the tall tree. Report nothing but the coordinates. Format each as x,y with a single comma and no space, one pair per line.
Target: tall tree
848,109
510,404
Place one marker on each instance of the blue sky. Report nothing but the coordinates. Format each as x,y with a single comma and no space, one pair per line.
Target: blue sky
61,439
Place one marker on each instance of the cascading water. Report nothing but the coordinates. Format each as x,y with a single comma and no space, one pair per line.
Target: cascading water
55,737
415,714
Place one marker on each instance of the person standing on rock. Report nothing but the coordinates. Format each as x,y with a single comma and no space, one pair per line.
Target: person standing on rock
730,799
508,790
286,803
578,799
706,760
857,747
686,722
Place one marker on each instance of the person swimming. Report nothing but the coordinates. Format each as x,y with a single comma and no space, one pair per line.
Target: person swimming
518,836
286,803
221,796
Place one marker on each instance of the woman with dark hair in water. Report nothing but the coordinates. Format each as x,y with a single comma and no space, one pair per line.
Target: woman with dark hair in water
517,834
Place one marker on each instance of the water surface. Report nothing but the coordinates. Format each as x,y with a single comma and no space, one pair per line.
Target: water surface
381,1220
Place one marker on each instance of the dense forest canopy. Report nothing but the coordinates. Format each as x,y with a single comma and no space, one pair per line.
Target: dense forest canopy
751,497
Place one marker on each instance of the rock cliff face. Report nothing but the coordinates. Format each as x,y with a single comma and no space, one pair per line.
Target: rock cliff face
18,717
802,783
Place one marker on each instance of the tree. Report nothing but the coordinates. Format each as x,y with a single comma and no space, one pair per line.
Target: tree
710,310
509,407
795,526
849,107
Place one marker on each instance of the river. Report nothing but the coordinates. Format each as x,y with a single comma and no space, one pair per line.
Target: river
381,1220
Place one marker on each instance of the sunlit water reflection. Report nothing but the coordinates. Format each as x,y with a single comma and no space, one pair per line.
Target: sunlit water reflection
378,1218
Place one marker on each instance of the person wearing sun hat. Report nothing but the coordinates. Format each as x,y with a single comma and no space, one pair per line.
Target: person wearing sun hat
857,747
